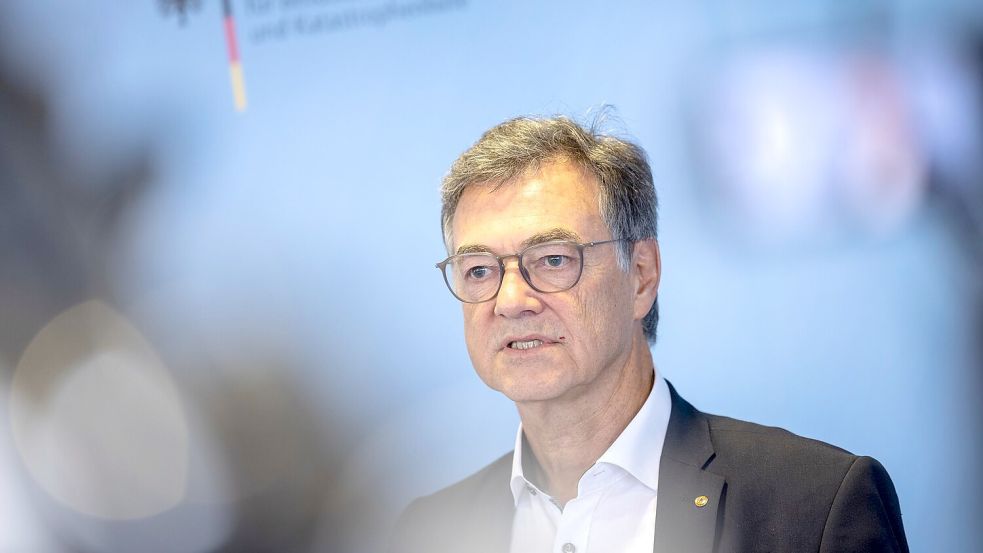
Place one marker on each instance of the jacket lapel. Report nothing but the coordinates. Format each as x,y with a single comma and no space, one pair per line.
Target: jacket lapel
689,496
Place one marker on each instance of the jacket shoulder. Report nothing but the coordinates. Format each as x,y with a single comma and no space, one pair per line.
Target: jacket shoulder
774,466
742,440
475,510
495,473
808,494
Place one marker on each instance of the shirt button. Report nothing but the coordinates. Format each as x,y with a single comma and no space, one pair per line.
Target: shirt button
569,548
532,490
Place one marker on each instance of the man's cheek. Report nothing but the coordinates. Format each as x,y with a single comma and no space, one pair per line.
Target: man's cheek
469,323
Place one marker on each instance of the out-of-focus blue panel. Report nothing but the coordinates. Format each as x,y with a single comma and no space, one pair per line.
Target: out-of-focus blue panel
281,257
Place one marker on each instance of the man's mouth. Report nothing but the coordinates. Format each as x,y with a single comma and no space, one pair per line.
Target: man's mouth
527,344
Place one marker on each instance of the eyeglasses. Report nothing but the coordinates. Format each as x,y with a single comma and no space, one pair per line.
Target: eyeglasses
548,267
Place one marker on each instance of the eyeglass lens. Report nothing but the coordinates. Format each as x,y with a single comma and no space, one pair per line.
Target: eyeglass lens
549,267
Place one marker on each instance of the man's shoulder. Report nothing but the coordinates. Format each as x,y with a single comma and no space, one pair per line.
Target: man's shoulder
475,510
742,450
749,441
806,494
764,461
491,480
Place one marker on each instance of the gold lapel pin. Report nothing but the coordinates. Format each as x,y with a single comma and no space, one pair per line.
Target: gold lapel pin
701,501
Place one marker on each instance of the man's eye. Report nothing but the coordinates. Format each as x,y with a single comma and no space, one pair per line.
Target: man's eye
555,261
478,273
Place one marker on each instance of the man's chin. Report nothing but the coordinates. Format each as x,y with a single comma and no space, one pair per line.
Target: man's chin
531,392
528,381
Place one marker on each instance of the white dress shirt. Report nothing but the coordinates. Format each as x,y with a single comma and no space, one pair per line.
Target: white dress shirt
614,511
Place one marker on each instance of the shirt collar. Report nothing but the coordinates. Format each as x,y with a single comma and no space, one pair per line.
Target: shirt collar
518,481
637,450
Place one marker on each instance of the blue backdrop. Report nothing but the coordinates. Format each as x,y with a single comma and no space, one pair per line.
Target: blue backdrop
289,245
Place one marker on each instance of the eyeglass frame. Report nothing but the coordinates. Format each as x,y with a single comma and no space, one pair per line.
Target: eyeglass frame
581,246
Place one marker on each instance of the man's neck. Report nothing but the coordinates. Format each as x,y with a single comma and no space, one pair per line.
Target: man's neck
568,435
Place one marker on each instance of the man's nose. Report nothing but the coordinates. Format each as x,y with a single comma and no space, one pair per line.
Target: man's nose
516,298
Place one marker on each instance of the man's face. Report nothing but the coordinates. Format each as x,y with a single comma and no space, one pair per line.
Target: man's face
587,331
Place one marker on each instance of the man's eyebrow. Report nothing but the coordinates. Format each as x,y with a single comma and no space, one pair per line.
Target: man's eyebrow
473,248
557,233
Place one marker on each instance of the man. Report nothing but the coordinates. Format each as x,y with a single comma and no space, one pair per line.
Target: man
551,229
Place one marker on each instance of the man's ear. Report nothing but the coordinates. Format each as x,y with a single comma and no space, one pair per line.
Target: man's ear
647,267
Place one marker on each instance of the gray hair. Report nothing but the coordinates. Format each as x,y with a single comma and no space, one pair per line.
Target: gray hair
520,146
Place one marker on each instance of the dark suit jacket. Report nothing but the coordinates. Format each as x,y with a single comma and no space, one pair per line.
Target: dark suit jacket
768,490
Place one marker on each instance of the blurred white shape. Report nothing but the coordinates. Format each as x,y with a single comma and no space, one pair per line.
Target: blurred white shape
773,124
801,141
97,418
20,528
776,155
